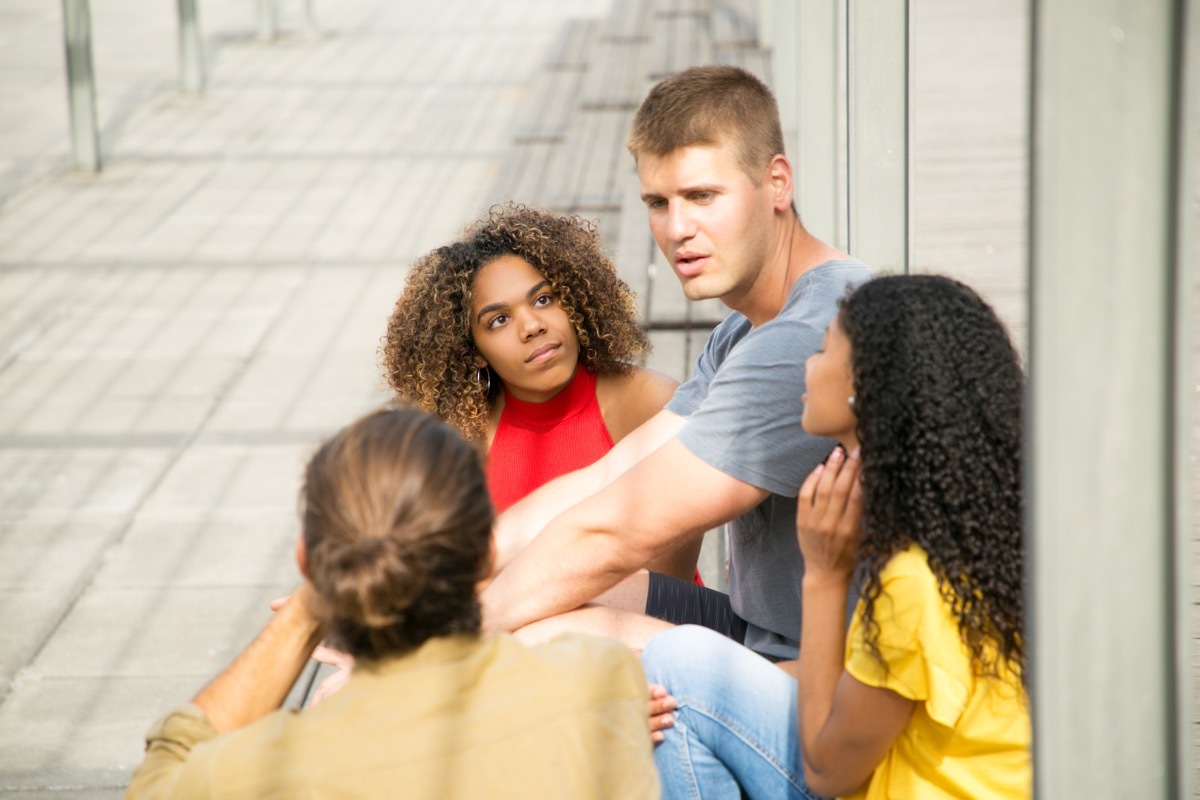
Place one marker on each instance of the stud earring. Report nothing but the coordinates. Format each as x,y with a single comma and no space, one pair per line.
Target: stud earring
850,400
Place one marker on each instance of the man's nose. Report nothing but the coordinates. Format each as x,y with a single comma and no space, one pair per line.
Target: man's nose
679,222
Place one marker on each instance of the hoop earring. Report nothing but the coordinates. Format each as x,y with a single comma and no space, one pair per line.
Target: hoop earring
483,376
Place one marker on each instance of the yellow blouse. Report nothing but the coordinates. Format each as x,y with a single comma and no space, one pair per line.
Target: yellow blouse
969,736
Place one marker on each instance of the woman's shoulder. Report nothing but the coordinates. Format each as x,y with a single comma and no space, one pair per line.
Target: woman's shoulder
911,563
908,589
629,399
639,380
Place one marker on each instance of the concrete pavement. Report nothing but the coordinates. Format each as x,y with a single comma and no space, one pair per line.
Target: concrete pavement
178,332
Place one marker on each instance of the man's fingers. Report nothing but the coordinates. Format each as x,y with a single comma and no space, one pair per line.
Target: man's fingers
660,722
336,658
661,705
329,687
661,700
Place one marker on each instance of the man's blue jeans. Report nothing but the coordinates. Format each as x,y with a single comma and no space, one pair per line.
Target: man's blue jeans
735,724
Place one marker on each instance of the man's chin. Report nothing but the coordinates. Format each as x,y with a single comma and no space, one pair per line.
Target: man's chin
695,289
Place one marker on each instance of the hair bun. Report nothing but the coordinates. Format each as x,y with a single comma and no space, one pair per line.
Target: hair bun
374,580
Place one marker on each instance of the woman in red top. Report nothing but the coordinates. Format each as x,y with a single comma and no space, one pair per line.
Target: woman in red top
521,335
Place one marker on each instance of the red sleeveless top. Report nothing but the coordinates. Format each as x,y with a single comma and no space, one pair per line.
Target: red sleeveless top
537,442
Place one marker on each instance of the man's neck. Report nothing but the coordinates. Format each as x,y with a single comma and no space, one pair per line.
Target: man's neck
794,252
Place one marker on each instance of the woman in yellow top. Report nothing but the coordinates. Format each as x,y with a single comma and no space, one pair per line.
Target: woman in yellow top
919,507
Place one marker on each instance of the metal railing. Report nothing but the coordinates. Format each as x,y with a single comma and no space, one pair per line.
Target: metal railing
81,75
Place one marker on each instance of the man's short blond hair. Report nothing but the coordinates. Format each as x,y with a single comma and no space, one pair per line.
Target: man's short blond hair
710,105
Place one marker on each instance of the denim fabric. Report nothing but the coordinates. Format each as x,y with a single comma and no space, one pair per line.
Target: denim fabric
735,725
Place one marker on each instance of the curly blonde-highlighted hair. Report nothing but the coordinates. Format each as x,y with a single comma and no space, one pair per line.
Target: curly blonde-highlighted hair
428,352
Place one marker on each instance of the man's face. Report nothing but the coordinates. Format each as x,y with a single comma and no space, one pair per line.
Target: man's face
711,221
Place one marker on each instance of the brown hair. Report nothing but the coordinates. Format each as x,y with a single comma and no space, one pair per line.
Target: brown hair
397,524
428,351
710,105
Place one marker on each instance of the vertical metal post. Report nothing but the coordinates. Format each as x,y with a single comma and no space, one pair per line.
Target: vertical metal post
1186,338
878,161
81,84
191,48
267,22
1101,433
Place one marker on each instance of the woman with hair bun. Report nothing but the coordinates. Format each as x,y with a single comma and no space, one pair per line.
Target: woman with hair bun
396,538
920,505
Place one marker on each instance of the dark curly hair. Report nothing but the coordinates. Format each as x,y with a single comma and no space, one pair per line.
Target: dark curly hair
428,351
938,394
397,526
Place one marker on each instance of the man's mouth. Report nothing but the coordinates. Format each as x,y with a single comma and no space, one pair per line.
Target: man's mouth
689,263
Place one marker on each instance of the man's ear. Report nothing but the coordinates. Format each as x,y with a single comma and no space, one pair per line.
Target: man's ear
302,555
779,173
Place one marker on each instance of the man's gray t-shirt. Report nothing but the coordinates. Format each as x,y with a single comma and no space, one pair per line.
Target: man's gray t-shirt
743,417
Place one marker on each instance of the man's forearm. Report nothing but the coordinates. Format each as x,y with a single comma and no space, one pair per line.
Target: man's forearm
522,522
660,502
258,680
565,567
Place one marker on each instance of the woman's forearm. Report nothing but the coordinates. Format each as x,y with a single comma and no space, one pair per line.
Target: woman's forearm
822,654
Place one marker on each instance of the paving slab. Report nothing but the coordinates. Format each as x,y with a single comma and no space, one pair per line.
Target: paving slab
179,331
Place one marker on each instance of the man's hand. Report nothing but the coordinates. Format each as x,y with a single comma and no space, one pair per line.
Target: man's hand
661,704
258,680
332,683
344,662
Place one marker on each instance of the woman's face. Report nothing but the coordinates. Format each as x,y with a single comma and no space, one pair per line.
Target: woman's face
829,384
521,330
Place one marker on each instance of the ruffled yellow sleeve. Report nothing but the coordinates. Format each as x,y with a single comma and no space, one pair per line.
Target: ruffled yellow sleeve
923,657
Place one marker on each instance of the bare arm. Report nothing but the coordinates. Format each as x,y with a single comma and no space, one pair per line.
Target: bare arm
846,727
661,501
517,526
258,680
629,401
255,684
